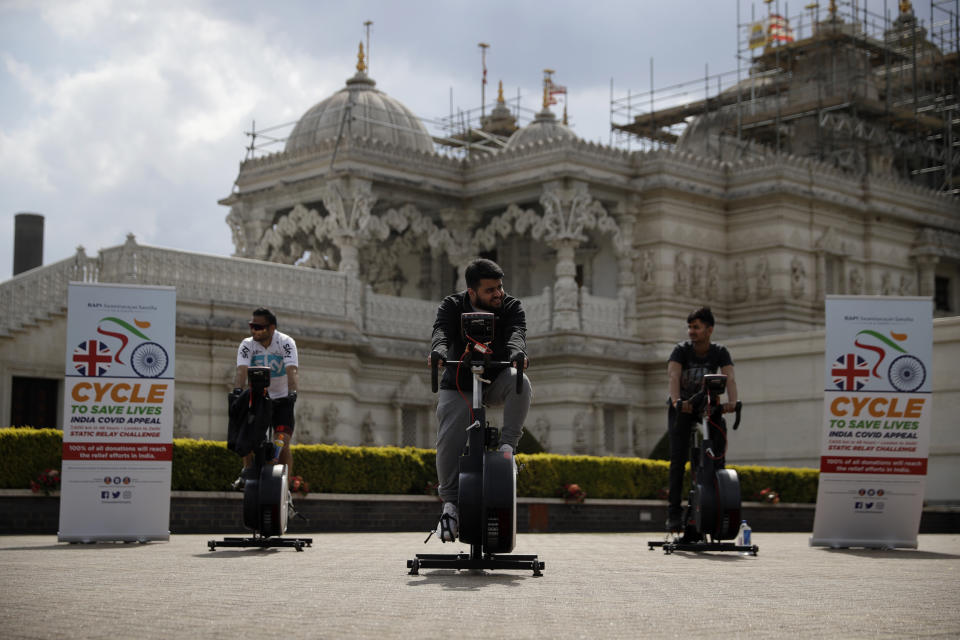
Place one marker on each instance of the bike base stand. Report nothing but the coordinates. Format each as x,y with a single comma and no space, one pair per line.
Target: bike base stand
678,544
468,561
263,543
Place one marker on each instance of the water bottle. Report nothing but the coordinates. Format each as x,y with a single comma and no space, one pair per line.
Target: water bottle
278,446
743,535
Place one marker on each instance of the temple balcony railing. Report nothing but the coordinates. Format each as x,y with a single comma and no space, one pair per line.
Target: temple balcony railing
202,278
602,316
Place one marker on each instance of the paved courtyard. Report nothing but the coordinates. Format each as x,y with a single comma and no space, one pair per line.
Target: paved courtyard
357,586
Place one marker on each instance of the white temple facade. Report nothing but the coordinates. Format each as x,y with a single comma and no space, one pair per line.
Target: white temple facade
355,231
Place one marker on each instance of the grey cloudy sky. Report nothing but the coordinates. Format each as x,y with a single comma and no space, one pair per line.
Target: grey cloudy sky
122,116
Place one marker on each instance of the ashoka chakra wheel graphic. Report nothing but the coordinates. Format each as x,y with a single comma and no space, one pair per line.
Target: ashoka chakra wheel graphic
907,373
149,360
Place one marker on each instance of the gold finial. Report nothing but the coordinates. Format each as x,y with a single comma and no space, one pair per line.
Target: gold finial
564,112
361,67
906,6
500,92
833,8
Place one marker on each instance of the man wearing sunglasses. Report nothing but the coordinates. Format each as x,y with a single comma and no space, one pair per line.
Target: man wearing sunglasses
267,347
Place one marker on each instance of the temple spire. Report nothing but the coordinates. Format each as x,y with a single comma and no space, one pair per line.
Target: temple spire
361,66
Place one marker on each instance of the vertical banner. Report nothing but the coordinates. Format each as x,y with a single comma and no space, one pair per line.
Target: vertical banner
876,421
118,413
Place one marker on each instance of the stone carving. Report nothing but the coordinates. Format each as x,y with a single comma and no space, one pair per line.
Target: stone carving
579,434
542,432
568,213
348,203
648,273
697,279
886,284
798,278
367,439
856,282
182,415
304,415
906,285
328,424
413,392
763,279
237,231
740,292
680,275
380,267
611,390
713,279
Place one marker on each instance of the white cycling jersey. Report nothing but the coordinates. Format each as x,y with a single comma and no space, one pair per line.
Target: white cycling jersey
280,354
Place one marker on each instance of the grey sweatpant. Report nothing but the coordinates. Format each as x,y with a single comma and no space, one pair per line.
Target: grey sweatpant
453,414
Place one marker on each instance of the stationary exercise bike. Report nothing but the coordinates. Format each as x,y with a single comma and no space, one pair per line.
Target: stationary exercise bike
712,514
487,499
266,495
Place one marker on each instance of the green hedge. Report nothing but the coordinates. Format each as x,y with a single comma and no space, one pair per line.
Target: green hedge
203,465
26,453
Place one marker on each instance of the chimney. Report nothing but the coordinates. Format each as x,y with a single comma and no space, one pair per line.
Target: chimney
27,242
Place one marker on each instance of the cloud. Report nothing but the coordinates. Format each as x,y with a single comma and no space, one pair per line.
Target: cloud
145,139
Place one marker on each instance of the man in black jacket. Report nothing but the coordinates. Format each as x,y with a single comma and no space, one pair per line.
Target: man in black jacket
484,293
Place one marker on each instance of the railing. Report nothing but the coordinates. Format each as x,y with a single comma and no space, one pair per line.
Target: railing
398,317
539,310
198,277
601,316
202,277
41,292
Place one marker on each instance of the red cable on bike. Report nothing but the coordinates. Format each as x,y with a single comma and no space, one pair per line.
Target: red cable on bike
466,351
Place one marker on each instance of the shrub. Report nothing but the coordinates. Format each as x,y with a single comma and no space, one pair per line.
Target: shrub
203,465
27,452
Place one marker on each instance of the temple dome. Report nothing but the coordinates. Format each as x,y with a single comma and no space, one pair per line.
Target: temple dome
543,128
362,111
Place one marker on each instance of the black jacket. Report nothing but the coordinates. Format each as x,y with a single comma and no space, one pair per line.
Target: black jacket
509,336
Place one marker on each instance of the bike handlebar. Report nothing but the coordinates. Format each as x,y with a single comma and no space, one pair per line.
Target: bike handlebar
697,400
435,359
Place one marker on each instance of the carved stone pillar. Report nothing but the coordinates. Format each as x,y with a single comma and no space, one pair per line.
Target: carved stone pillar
398,421
567,213
599,439
626,280
348,202
566,312
926,274
349,254
458,240
128,268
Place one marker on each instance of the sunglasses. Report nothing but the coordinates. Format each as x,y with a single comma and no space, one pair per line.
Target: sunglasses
255,326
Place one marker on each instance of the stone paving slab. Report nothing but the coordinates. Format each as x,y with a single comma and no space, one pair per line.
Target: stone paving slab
355,585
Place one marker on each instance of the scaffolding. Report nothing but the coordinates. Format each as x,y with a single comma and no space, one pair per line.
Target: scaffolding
458,134
861,91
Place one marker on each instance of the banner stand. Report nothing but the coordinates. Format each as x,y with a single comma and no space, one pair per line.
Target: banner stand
877,411
118,413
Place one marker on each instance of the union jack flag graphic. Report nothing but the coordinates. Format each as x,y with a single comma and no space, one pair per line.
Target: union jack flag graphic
847,371
92,358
